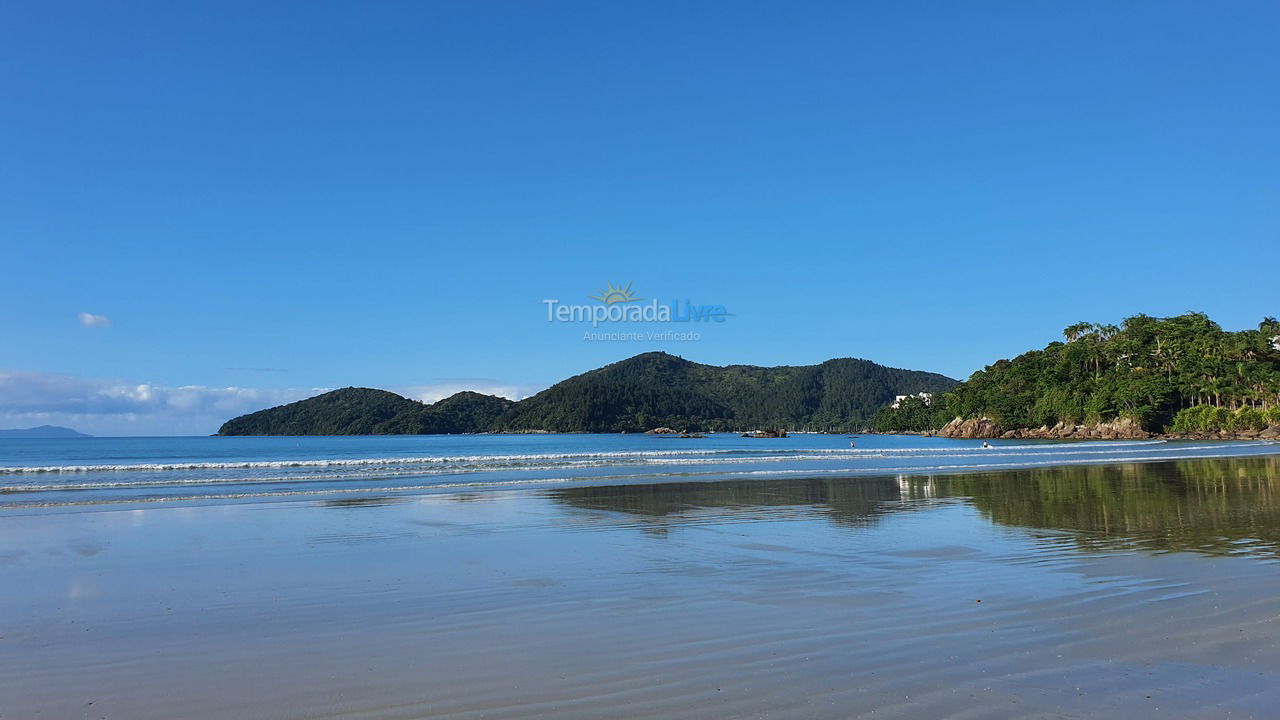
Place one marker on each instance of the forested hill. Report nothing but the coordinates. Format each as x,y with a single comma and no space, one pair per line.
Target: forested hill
365,411
660,390
634,395
1182,374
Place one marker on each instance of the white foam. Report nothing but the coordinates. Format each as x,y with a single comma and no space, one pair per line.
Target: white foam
530,457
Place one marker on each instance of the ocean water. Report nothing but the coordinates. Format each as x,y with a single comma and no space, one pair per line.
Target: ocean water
99,471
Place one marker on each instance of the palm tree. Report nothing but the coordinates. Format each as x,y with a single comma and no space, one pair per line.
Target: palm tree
1074,332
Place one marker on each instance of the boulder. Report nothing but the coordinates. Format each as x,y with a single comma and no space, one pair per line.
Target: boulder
979,428
1118,429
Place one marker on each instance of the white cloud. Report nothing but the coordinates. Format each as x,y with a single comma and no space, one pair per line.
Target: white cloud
444,387
114,407
91,320
118,407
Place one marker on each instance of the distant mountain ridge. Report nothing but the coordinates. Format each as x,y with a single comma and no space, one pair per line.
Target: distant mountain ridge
656,389
43,431
633,395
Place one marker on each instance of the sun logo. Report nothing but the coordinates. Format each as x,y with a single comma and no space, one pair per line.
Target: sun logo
611,294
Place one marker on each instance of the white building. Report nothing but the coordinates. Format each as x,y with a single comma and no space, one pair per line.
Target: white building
926,397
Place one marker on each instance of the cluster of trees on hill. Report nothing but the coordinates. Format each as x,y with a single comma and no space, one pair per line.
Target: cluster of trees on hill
366,411
913,414
1182,373
634,395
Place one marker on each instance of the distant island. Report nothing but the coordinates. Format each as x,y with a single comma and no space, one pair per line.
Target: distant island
1179,376
43,431
640,393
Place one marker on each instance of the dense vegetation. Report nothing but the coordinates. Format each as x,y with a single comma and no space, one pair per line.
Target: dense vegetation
657,389
1182,373
365,411
913,414
634,395
460,413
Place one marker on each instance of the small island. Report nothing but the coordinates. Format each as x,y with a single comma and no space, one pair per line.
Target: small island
44,432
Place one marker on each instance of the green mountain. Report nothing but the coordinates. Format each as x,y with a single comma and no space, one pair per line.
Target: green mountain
365,411
349,411
637,394
1178,374
660,390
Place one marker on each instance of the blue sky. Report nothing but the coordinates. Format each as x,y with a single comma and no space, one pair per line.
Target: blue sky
264,199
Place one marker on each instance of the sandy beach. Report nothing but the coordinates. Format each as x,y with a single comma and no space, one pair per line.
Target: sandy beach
876,597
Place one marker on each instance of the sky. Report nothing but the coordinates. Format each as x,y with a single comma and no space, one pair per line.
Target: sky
210,208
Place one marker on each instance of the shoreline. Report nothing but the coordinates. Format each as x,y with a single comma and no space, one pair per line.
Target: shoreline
1199,436
1119,429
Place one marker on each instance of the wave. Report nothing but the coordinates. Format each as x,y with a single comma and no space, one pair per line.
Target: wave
459,459
916,469
498,484
896,460
292,493
1023,451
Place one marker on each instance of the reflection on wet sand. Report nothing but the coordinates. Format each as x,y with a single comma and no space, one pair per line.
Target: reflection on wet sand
852,502
1219,506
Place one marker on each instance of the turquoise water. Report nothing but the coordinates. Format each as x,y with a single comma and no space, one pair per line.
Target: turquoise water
96,471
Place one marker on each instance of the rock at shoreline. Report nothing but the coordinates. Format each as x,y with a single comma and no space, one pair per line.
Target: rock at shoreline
972,428
765,434
984,428
662,431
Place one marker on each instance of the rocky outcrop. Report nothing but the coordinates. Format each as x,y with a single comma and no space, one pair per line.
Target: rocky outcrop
971,428
765,434
1118,429
662,431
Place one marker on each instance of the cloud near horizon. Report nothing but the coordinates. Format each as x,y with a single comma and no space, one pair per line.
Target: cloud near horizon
444,387
91,320
117,407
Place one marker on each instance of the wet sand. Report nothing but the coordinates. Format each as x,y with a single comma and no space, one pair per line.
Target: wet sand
1119,591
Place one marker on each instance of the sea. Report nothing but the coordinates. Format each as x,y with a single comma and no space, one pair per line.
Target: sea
93,472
